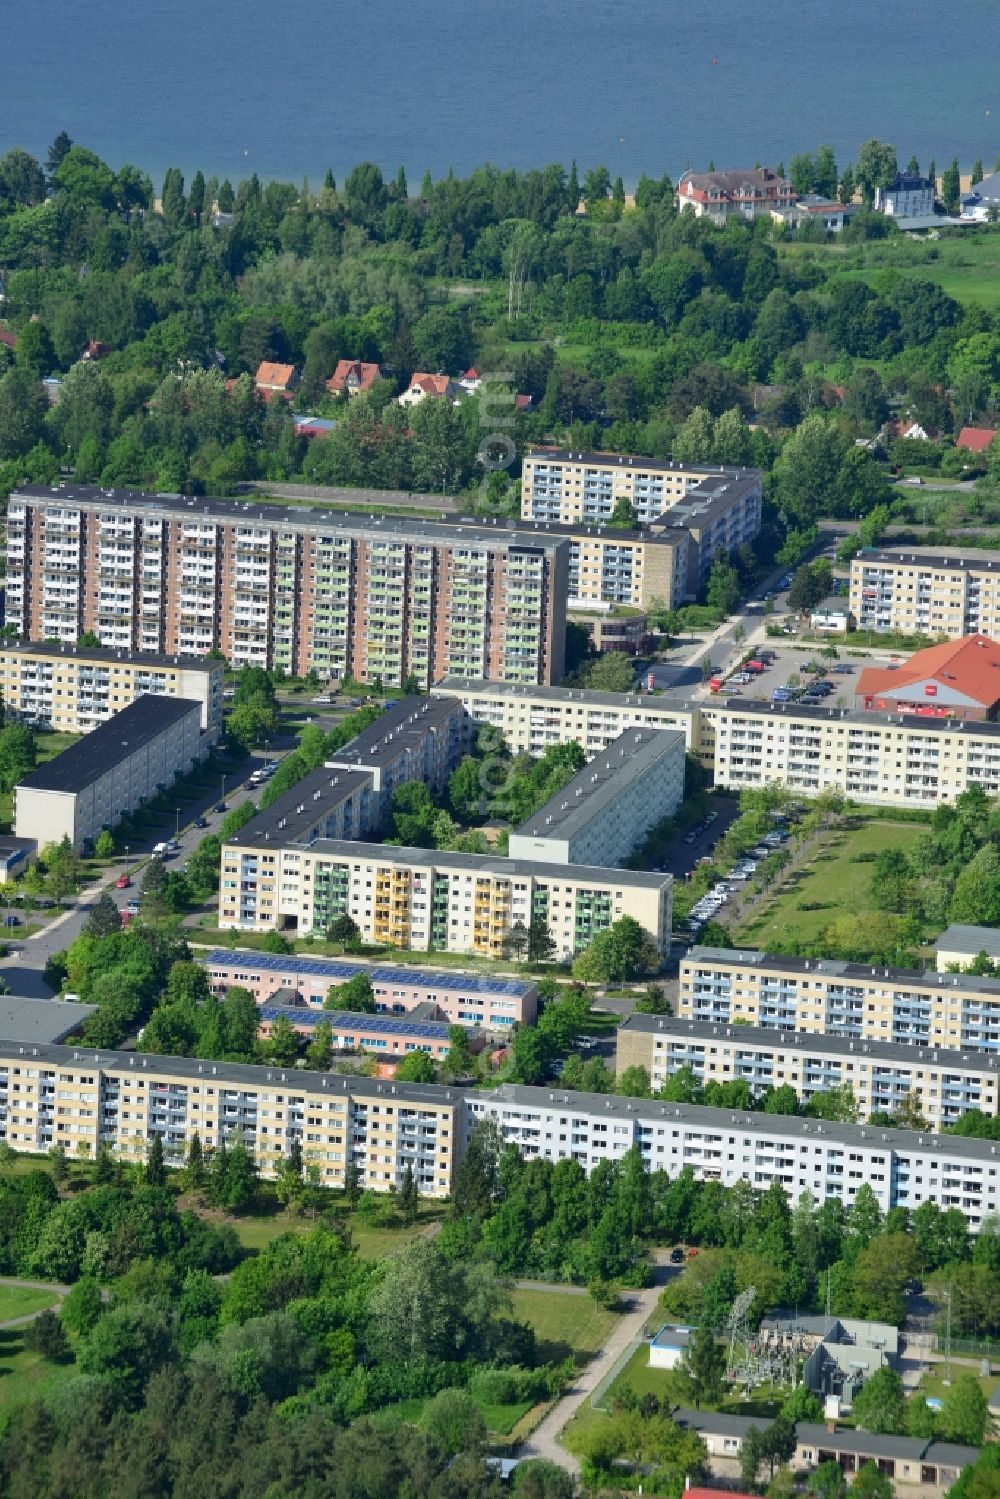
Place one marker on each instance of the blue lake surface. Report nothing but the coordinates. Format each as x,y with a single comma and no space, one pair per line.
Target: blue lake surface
234,86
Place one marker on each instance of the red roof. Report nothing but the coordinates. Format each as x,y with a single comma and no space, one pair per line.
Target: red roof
965,666
8,338
975,439
713,1494
364,375
275,376
431,385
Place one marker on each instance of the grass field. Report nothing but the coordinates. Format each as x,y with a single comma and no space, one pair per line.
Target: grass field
964,263
564,1324
19,1301
257,1230
24,1375
830,881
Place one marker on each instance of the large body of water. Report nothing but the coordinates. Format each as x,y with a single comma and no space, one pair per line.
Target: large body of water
234,86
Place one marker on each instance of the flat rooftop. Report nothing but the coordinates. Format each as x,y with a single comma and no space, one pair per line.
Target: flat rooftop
239,1074
664,535
748,957
111,742
581,698
40,1020
301,518
969,559
105,654
767,1127
403,724
334,970
292,817
765,1038
600,783
971,940
544,454
431,858
743,707
363,1024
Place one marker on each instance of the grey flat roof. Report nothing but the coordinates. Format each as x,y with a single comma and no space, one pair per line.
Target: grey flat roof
668,535
710,497
44,1020
295,964
951,1455
111,742
764,1038
965,558
743,957
282,517
239,1074
970,939
111,656
386,853
405,722
645,465
582,697
864,1443
11,845
296,812
602,781
769,1126
912,721
363,1024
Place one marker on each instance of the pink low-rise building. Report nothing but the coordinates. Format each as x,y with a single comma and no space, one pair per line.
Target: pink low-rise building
469,999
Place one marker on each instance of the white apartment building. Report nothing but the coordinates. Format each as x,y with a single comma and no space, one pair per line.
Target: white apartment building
122,763
429,899
882,758
946,1082
825,996
604,813
902,1168
908,196
73,689
927,591
532,718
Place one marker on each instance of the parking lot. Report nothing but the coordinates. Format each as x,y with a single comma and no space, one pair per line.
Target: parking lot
792,662
713,903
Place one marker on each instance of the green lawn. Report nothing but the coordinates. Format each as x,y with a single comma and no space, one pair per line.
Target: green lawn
564,1324
47,747
18,1301
23,1375
829,880
964,263
256,1230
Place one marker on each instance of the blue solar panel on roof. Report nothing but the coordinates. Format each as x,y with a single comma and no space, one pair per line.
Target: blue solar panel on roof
362,1025
330,968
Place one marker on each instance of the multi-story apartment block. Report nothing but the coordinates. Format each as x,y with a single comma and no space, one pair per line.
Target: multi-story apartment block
960,945
58,1095
927,591
429,899
101,778
604,813
719,507
416,739
296,588
612,565
494,1003
80,1099
903,1168
883,758
531,719
957,1011
946,1082
74,688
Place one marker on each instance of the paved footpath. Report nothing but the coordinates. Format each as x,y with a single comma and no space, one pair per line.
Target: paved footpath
544,1440
58,1291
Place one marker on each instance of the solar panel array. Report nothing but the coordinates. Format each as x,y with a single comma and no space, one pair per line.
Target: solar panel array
333,970
361,1024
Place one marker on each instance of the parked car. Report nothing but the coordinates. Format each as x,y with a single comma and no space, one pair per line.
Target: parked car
323,697
12,920
200,822
133,905
173,845
221,807
122,882
691,837
677,1256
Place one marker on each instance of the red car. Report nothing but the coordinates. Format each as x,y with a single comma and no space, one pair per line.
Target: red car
122,882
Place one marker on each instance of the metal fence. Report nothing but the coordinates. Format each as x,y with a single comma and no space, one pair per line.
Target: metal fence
603,1385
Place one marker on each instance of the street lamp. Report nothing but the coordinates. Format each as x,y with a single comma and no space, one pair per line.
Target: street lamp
177,823
126,858
223,796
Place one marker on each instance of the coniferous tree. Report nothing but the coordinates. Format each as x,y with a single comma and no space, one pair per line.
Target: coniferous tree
156,1174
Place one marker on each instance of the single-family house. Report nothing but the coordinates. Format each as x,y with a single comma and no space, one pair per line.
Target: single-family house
354,377
982,203
906,197
745,193
313,426
95,349
423,385
276,379
975,439
814,209
470,381
8,339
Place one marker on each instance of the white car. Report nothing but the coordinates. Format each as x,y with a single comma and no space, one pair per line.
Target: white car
324,697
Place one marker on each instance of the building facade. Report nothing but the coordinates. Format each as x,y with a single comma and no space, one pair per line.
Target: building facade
389,1039
906,197
924,591
279,586
494,1003
603,814
824,996
532,719
886,759
429,899
959,946
98,780
746,193
946,1082
56,1095
73,689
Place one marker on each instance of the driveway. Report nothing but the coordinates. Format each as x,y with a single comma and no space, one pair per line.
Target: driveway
544,1440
